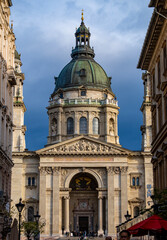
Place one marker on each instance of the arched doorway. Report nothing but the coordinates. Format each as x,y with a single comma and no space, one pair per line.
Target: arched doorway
83,204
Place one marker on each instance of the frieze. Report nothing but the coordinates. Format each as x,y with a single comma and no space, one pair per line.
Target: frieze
83,146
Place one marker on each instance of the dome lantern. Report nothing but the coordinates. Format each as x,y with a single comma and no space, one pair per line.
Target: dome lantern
82,47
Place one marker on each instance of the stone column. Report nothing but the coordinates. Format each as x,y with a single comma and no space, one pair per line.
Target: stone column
60,216
42,193
110,227
59,122
100,215
66,214
49,196
55,201
76,129
106,132
124,194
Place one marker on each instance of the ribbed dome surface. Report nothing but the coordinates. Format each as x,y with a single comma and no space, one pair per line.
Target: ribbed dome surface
84,72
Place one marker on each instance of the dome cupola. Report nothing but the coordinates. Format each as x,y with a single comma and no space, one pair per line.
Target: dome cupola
82,70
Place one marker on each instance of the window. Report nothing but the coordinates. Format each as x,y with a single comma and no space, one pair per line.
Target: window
61,95
30,214
70,125
164,58
83,125
165,106
83,93
82,72
96,126
153,84
33,181
136,211
29,181
159,74
160,114
154,123
135,180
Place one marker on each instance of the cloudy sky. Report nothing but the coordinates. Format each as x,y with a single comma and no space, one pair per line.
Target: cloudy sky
44,32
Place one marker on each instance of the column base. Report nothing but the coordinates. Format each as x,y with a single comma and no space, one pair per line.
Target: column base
100,232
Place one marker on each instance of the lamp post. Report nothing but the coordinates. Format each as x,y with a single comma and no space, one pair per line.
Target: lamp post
20,207
127,216
37,217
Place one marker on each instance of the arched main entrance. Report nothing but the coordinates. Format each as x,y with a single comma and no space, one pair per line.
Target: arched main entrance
83,206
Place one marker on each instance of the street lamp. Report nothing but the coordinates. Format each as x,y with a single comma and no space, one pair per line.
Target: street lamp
37,217
20,207
127,216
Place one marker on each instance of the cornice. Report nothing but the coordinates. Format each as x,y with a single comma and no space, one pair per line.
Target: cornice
151,39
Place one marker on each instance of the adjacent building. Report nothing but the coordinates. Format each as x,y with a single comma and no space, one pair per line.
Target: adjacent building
83,179
153,60
7,81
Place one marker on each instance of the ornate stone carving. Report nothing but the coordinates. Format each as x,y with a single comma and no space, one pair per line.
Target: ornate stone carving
124,169
116,170
109,170
49,170
56,170
85,146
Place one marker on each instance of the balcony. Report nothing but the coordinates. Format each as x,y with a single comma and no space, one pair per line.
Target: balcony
11,76
84,102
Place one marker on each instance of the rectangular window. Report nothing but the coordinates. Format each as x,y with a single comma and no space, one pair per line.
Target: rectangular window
165,106
159,74
153,84
160,114
164,58
154,128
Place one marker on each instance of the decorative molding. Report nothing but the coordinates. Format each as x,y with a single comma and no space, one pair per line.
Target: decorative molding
84,146
124,169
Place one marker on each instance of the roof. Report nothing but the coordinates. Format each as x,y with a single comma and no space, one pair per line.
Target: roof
152,36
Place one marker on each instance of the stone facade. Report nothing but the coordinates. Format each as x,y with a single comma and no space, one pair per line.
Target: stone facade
154,60
7,81
83,179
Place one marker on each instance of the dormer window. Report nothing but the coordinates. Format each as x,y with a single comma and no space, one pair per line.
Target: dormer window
82,72
61,95
83,93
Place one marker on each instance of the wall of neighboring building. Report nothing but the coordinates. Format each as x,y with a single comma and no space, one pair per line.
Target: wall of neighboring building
7,81
154,60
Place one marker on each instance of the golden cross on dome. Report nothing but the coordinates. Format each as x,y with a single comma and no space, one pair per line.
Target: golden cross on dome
82,18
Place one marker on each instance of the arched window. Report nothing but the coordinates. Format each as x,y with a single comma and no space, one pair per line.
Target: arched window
70,125
133,181
83,125
29,181
136,211
33,181
96,126
30,214
137,181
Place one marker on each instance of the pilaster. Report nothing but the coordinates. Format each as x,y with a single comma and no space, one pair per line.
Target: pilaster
56,173
124,193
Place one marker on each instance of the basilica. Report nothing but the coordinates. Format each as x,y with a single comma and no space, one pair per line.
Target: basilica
83,180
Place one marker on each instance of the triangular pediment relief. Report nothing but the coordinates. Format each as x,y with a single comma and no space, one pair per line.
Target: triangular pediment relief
83,145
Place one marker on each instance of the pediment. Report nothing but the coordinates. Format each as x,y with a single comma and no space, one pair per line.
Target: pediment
85,146
136,200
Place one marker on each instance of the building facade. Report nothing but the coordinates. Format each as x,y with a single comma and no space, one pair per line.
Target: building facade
153,59
7,81
83,179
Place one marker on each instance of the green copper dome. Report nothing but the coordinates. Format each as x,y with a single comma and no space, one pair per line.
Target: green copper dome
82,70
